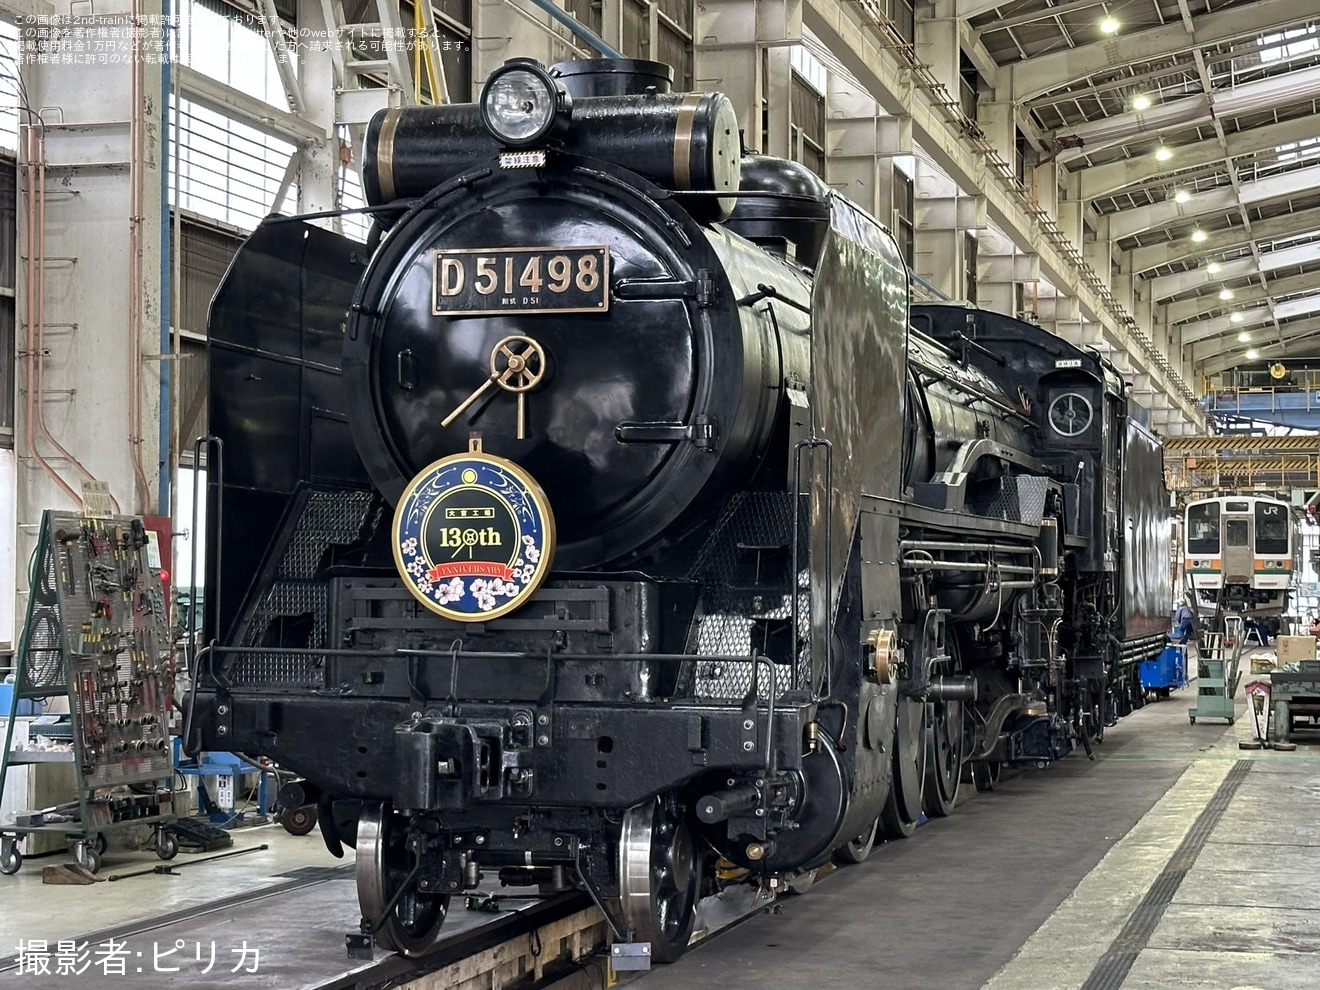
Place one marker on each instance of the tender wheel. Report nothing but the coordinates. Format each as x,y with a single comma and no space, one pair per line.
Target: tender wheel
903,805
10,858
299,821
87,857
384,863
944,757
986,774
167,844
856,851
659,878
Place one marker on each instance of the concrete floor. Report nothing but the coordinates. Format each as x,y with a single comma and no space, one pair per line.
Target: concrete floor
291,938
31,910
35,910
1029,887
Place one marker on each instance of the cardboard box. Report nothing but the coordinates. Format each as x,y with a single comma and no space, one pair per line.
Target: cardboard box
1294,649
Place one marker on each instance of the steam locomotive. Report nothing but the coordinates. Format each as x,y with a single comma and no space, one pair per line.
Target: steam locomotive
613,511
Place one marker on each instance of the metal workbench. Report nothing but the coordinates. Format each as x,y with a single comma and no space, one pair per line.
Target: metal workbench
1293,695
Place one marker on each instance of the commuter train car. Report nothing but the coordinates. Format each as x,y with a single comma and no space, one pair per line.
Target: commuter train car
605,515
1240,553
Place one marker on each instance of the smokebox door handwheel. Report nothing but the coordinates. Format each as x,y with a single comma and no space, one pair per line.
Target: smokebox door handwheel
517,364
473,536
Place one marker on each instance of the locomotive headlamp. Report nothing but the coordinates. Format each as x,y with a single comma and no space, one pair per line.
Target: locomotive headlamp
521,102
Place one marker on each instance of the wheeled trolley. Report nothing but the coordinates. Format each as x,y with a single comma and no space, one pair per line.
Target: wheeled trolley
96,634
1166,673
1218,673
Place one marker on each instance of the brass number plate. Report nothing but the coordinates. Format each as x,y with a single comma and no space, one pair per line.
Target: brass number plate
521,280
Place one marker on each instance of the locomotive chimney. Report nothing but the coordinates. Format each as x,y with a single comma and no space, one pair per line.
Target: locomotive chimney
613,76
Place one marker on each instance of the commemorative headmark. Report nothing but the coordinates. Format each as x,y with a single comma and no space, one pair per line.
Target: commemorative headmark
473,536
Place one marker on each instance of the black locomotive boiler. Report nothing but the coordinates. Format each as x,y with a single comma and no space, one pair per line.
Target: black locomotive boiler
613,511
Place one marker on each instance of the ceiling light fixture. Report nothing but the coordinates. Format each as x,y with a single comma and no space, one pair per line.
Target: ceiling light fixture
1181,196
1225,294
1141,102
1252,354
1199,235
1163,154
1243,337
1237,318
1109,25
1213,268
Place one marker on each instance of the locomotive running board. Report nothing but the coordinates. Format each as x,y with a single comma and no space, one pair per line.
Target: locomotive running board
953,522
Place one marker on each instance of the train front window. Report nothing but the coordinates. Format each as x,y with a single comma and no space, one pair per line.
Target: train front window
1203,528
1271,529
1235,533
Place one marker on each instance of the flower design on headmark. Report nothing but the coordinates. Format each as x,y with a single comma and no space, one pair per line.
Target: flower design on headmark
409,546
449,591
483,592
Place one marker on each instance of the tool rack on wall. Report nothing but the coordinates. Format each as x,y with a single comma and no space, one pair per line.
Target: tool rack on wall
97,633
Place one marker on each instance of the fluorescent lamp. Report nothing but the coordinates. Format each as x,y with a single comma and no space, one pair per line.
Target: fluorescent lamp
1213,267
1163,154
1252,354
1199,235
1237,318
1109,25
1141,102
1181,196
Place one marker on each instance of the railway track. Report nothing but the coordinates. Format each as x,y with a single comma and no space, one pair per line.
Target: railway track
292,934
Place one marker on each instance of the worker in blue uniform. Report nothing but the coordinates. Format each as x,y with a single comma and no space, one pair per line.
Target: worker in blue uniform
1184,624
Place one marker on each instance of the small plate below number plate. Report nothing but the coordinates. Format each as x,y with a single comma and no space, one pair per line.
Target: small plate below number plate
359,946
630,955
